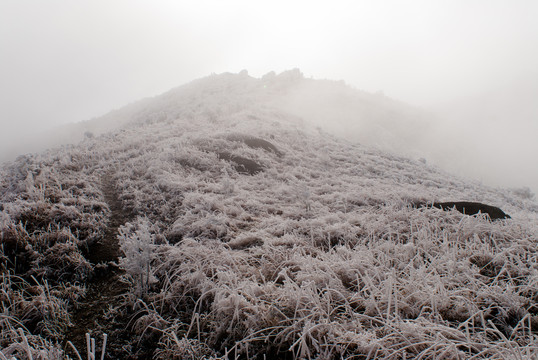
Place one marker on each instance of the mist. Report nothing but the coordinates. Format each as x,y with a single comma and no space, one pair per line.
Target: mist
492,137
488,138
464,72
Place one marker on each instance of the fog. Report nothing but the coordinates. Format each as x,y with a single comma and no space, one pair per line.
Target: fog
489,138
471,63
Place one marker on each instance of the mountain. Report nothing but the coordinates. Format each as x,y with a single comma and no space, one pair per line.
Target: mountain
371,119
215,221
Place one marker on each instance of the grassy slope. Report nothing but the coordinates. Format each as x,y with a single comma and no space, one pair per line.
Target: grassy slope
319,255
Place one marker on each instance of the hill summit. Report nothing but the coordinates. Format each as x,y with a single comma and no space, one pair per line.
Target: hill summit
220,220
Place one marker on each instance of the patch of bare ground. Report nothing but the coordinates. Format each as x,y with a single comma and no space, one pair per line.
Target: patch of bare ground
100,311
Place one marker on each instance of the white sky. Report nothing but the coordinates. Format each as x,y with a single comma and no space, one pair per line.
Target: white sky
69,60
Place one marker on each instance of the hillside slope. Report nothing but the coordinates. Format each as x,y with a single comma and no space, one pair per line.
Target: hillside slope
248,233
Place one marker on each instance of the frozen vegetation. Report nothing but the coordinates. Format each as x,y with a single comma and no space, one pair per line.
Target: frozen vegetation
253,235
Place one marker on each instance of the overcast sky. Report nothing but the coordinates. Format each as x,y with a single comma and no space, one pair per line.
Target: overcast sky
70,60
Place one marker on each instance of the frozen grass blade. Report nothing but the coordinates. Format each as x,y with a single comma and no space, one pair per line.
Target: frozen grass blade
103,351
26,345
89,347
73,347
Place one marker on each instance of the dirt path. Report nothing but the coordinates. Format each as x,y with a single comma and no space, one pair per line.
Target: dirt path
105,289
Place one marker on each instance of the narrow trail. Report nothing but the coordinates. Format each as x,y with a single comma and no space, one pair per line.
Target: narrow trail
105,289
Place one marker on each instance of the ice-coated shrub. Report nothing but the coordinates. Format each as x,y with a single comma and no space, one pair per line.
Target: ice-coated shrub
137,242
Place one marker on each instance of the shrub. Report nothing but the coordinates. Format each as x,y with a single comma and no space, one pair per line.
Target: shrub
138,244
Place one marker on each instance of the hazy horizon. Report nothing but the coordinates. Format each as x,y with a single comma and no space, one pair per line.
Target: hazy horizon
470,63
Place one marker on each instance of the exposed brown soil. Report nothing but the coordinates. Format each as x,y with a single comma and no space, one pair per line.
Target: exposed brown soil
107,249
105,290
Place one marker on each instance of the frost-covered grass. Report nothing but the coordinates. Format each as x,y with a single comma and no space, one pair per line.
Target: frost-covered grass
33,318
320,255
51,211
455,292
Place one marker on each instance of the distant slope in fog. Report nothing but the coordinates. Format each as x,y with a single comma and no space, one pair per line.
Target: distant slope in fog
488,138
371,119
332,105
